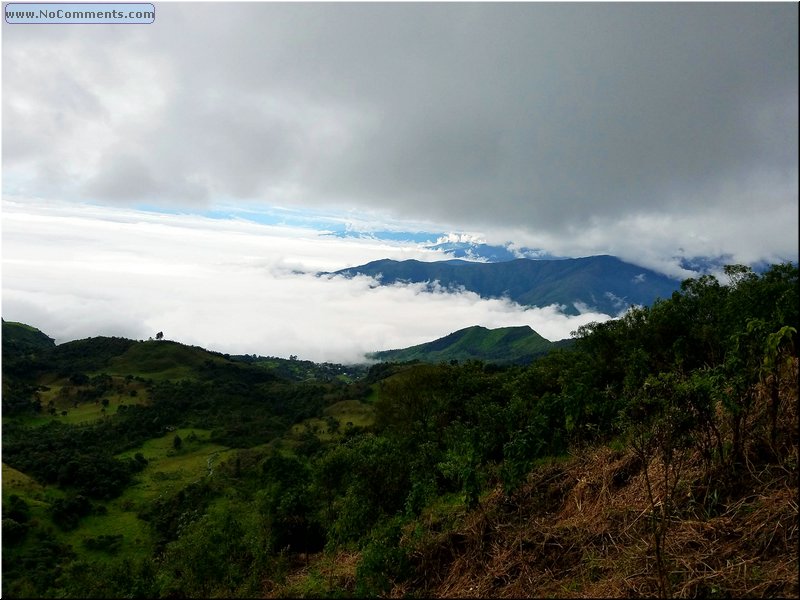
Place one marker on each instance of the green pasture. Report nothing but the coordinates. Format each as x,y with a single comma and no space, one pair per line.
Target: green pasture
170,469
63,395
16,482
352,412
118,520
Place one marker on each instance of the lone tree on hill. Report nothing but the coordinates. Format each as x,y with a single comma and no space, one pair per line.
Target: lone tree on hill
159,335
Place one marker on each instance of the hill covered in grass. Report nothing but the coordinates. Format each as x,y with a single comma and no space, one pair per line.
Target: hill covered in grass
601,283
504,345
20,338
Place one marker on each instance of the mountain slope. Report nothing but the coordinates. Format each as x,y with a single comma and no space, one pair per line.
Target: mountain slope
502,345
18,337
601,283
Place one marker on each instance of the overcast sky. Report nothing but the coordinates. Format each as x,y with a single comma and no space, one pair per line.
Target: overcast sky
648,131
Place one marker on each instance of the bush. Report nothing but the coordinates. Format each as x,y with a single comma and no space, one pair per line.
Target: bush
383,562
13,532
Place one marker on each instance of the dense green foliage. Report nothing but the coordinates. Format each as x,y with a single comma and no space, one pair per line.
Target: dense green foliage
21,343
680,373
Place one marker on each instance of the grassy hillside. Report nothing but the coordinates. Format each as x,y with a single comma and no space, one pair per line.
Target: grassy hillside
120,356
105,439
18,337
163,360
501,345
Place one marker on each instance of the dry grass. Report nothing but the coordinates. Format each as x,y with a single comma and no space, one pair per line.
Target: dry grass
584,528
316,575
597,543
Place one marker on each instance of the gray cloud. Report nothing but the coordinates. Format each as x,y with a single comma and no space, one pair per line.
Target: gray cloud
556,121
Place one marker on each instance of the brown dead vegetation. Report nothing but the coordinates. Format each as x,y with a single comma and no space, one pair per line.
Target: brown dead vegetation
584,528
591,538
316,575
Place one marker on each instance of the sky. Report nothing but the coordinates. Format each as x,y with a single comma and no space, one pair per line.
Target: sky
139,162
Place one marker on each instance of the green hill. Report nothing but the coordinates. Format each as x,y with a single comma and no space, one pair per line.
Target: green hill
121,356
21,338
164,360
502,345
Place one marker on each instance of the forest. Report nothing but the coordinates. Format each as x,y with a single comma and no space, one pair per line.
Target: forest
657,456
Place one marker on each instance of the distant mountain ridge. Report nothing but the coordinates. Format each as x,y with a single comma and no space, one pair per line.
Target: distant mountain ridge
452,244
478,251
502,345
600,283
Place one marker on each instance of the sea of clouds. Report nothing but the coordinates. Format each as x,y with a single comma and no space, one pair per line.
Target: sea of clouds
230,285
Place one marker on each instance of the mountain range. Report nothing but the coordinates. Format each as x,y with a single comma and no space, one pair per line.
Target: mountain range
452,245
595,283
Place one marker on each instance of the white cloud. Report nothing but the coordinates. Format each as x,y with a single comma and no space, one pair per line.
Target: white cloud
227,285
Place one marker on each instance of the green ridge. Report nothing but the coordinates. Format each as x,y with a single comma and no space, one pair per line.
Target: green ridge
18,337
501,345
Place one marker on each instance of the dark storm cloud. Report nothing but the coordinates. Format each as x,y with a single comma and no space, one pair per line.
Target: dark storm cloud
550,118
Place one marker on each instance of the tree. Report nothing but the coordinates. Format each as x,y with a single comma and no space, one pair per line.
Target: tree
159,335
332,423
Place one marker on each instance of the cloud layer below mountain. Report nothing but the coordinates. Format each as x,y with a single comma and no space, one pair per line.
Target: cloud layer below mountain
228,285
